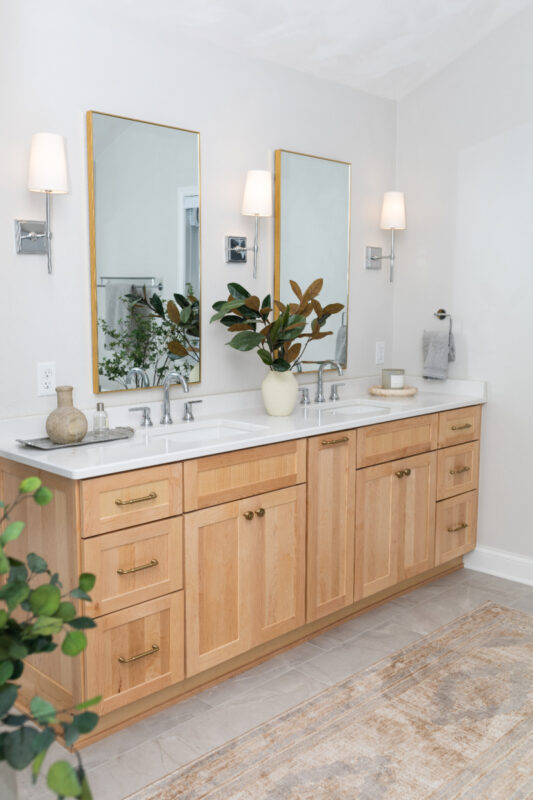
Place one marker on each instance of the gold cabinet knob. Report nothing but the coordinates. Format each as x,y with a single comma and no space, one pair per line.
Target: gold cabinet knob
248,515
260,512
407,472
399,474
403,473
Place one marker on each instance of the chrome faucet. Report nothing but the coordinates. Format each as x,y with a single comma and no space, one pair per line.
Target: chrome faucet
141,378
319,397
172,376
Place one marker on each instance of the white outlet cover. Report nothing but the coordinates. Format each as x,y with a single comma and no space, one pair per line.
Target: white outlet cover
46,378
380,352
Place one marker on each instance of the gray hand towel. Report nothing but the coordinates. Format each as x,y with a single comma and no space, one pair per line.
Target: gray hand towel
438,349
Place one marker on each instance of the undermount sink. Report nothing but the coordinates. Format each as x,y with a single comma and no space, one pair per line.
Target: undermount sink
353,409
217,430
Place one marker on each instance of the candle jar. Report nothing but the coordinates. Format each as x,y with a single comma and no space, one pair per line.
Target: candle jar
393,378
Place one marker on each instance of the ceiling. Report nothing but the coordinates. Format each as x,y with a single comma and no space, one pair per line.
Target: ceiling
385,47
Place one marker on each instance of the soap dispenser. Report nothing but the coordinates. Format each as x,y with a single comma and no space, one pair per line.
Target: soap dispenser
100,420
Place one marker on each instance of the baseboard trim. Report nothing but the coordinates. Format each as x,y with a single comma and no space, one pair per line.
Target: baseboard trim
502,563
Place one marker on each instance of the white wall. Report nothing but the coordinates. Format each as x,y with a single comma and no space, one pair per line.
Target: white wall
466,166
60,58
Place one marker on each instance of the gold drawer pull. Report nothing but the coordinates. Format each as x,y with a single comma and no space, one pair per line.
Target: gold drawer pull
248,515
403,472
155,649
327,442
260,512
459,470
461,427
150,496
458,527
153,563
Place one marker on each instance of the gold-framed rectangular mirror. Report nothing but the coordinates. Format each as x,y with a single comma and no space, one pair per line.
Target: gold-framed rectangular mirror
145,239
312,239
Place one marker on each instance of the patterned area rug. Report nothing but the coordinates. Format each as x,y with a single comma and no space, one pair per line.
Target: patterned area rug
450,716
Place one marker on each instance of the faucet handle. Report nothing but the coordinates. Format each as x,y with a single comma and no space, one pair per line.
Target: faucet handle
187,412
334,395
305,396
146,421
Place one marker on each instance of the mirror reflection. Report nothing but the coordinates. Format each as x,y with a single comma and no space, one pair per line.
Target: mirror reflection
144,198
313,239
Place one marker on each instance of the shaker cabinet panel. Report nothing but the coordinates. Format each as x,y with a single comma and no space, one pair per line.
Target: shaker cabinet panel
456,526
458,470
459,425
331,523
387,441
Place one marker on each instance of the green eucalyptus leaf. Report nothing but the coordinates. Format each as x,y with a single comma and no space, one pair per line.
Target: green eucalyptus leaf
73,643
14,593
8,695
85,722
245,340
36,563
88,703
87,581
80,623
85,789
45,600
19,747
42,710
43,496
17,572
3,617
47,626
37,764
80,595
30,485
66,611
17,650
6,671
4,562
12,532
70,733
62,780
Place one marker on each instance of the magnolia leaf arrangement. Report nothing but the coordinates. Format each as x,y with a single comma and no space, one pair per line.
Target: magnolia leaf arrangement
34,612
182,315
275,338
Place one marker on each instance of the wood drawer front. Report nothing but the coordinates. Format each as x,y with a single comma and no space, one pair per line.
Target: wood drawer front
458,470
219,479
456,527
130,498
134,565
387,441
128,634
459,425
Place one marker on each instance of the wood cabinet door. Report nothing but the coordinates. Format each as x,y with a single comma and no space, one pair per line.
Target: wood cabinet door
215,603
456,527
377,530
416,513
395,522
331,523
275,568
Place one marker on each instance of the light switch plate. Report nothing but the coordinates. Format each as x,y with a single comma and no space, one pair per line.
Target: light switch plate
380,352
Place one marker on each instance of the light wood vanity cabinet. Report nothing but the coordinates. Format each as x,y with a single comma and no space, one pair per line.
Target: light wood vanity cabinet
206,566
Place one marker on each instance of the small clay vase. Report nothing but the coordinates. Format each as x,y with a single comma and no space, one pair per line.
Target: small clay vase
66,424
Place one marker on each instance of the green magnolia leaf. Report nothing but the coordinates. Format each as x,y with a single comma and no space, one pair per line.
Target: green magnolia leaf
42,710
173,312
229,306
47,626
245,340
177,349
45,600
86,721
62,780
265,357
66,611
43,496
82,622
12,532
88,703
186,314
237,291
30,485
73,643
6,671
19,747
280,365
87,581
36,563
157,305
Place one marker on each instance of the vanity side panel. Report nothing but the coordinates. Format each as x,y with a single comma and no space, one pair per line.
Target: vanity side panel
52,532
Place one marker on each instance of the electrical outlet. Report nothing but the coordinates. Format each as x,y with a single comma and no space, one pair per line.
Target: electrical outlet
46,378
380,352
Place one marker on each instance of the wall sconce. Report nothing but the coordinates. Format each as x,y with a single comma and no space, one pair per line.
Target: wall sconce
47,174
392,219
256,202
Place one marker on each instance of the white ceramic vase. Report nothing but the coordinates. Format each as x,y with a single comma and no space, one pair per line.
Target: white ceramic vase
280,393
8,782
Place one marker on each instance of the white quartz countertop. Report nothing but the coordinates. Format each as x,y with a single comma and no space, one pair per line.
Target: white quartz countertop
225,423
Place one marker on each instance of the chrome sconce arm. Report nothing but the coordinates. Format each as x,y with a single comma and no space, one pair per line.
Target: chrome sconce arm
257,202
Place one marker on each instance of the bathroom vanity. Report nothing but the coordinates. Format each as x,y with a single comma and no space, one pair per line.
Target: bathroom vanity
211,557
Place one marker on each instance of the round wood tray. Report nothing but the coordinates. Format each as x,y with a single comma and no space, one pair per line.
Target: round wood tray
379,391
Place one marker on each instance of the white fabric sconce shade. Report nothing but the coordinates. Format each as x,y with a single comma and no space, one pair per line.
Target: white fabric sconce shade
393,211
257,199
48,164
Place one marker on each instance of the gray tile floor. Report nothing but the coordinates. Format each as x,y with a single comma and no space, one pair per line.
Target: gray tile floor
133,758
